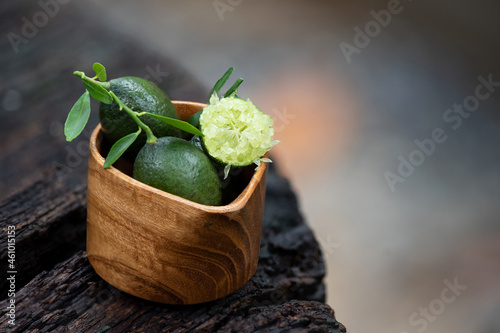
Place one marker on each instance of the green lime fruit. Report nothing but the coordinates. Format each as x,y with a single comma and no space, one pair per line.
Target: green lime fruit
178,167
141,96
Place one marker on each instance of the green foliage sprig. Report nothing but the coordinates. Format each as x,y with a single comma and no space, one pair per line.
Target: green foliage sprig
99,89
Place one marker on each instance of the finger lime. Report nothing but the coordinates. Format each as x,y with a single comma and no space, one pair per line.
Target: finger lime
178,167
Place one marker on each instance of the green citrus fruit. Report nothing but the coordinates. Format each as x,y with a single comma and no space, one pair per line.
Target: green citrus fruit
141,96
178,167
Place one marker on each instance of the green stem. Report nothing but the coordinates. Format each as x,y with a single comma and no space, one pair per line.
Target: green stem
151,138
82,76
149,134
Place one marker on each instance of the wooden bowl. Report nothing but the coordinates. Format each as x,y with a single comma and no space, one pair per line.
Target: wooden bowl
164,248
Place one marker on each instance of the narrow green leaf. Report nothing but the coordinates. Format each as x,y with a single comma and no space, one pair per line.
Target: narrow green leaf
100,71
119,148
218,85
77,117
97,91
233,88
183,125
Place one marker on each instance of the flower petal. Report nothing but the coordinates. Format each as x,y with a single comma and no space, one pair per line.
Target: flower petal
235,131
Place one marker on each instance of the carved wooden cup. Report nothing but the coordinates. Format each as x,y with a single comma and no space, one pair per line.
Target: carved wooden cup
164,248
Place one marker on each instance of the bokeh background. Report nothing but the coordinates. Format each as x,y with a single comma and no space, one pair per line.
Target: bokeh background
345,121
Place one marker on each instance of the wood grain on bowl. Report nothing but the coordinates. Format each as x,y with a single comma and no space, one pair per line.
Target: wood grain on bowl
164,248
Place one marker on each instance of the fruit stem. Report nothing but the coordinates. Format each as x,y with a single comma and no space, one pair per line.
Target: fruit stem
82,76
149,134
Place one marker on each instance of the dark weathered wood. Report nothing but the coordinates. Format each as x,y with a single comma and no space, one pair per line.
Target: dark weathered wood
49,217
73,298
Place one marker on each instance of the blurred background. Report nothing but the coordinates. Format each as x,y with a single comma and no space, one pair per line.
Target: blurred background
387,113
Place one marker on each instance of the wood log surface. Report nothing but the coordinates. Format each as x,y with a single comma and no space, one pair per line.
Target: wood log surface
286,293
43,185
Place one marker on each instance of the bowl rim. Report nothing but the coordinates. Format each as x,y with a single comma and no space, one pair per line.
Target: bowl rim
235,205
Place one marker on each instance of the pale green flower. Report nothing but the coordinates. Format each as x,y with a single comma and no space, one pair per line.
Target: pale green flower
236,132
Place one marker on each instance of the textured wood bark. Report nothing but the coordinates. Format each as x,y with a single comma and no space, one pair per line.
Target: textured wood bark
49,217
72,298
283,295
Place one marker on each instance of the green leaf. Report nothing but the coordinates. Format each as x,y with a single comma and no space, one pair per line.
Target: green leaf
218,85
119,148
100,71
97,91
233,88
77,117
183,125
